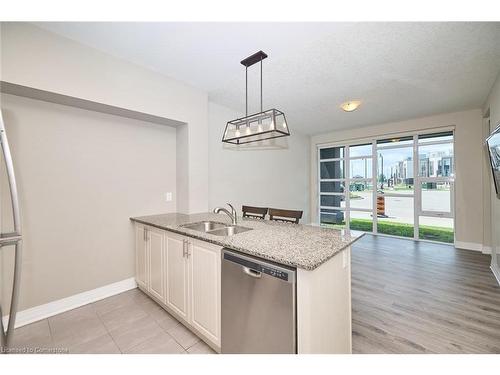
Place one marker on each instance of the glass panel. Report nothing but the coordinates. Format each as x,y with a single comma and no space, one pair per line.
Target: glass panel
361,194
362,221
395,170
395,216
435,160
401,141
436,196
332,218
436,229
331,153
361,168
360,150
332,169
332,200
332,186
435,137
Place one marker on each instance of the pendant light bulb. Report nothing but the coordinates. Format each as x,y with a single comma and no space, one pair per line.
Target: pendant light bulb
271,127
237,134
259,128
247,130
284,124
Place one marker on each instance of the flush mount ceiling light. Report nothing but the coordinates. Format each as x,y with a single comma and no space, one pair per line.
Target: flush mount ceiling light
351,105
259,126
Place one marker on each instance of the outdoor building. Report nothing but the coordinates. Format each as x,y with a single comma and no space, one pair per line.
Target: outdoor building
402,173
436,164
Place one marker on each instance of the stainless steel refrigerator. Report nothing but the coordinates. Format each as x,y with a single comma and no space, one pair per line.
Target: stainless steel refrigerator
10,244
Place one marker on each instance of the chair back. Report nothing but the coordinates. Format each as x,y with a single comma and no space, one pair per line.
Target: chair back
289,216
255,212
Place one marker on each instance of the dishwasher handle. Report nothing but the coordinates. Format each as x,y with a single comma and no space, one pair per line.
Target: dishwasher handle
252,273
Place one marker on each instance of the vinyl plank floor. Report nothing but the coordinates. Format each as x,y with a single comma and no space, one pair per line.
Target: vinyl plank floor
420,297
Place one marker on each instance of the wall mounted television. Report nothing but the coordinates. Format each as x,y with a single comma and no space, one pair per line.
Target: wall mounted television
493,144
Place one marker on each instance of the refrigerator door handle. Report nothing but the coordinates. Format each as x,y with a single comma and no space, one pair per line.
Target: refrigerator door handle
7,334
7,239
11,176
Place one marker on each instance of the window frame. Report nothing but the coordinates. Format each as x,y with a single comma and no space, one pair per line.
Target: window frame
417,179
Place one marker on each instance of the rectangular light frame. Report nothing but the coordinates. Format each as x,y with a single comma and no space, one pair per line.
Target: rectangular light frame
279,129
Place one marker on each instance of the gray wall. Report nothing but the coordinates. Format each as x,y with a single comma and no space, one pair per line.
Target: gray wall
140,162
81,175
275,174
65,67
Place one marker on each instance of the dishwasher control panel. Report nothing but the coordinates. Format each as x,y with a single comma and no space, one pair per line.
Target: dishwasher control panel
274,272
266,268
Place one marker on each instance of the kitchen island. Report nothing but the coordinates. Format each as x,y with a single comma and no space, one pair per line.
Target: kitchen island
180,268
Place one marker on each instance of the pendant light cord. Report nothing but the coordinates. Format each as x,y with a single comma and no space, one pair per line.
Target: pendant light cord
246,91
261,84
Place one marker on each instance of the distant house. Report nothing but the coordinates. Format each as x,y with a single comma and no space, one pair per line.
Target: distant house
436,164
402,172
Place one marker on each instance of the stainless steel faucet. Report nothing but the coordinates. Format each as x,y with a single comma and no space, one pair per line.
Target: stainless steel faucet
232,215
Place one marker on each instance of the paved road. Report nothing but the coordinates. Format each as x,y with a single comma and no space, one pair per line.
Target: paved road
400,209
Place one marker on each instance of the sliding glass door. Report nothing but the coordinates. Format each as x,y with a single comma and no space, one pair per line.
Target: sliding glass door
395,187
361,183
435,187
399,186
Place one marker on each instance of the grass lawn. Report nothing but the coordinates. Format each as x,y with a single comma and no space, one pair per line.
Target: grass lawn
426,232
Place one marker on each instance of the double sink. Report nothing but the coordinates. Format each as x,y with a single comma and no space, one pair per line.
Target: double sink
215,228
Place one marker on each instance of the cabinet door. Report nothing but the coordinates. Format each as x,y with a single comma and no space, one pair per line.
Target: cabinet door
177,275
205,264
155,240
141,257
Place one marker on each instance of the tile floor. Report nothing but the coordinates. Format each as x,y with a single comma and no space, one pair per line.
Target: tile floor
129,322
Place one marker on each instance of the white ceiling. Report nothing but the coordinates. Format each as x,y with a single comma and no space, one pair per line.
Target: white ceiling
398,70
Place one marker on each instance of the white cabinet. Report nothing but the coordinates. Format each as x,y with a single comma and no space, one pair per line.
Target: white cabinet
156,253
150,260
183,275
205,264
177,269
141,257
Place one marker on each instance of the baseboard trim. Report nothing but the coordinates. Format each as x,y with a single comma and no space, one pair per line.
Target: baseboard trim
47,310
473,246
496,271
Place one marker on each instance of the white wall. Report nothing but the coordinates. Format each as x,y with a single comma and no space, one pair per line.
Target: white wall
276,175
493,105
39,59
81,175
469,159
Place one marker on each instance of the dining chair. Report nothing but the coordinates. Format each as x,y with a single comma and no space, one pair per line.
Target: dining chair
254,212
289,216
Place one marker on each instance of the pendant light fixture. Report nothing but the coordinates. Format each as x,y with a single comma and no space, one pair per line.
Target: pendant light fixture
259,126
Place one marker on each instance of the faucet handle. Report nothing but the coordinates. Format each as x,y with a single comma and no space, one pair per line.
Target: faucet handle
234,214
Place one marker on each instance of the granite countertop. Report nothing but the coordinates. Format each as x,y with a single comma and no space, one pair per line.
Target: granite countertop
296,245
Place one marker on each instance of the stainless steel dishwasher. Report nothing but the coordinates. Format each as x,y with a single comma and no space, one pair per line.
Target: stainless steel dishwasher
258,305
